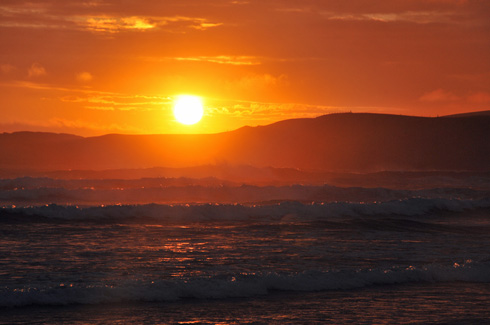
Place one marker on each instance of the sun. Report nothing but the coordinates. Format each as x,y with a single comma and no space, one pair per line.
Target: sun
188,109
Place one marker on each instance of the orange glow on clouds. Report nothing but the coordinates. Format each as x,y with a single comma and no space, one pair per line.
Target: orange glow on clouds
92,68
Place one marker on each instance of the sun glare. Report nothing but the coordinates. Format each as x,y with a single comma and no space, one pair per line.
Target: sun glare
188,109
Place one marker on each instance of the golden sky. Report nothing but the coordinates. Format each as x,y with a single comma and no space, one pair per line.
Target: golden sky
114,66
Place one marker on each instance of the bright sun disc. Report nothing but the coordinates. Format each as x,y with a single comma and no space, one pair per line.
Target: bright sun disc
188,109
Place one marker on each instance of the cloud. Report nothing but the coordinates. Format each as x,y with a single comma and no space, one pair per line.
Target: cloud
116,24
79,125
118,102
270,112
6,68
108,24
84,76
100,100
262,81
205,25
469,12
22,14
439,95
39,86
259,112
97,17
222,59
418,17
456,2
61,125
178,22
36,70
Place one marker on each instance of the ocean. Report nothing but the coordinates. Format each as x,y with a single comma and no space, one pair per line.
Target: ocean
149,252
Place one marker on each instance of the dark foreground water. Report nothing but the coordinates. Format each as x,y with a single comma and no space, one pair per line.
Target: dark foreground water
429,303
409,260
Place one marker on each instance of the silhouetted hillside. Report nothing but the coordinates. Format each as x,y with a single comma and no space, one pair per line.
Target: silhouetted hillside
479,113
336,142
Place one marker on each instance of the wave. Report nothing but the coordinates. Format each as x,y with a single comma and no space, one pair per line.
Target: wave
283,212
243,285
27,191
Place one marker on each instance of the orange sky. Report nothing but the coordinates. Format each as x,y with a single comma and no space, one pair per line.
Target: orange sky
112,66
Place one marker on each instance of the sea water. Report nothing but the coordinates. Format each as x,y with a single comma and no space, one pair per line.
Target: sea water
400,257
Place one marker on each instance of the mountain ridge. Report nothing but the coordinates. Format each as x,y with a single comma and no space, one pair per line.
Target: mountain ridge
355,142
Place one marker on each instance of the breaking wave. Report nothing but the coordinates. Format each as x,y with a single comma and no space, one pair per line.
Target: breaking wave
244,285
284,211
27,191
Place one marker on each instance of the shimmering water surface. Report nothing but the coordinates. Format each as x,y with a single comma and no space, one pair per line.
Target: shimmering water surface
447,303
409,260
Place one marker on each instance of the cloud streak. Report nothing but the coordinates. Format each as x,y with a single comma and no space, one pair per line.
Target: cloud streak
6,68
61,125
218,59
439,95
36,70
66,15
119,102
84,76
417,17
263,112
99,100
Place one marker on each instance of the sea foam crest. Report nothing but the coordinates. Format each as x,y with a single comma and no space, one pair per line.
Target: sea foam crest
290,211
244,285
20,192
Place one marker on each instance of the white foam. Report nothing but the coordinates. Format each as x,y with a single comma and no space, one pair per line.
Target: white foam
285,211
245,285
37,191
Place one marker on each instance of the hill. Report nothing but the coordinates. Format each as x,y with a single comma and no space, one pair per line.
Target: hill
337,142
479,113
